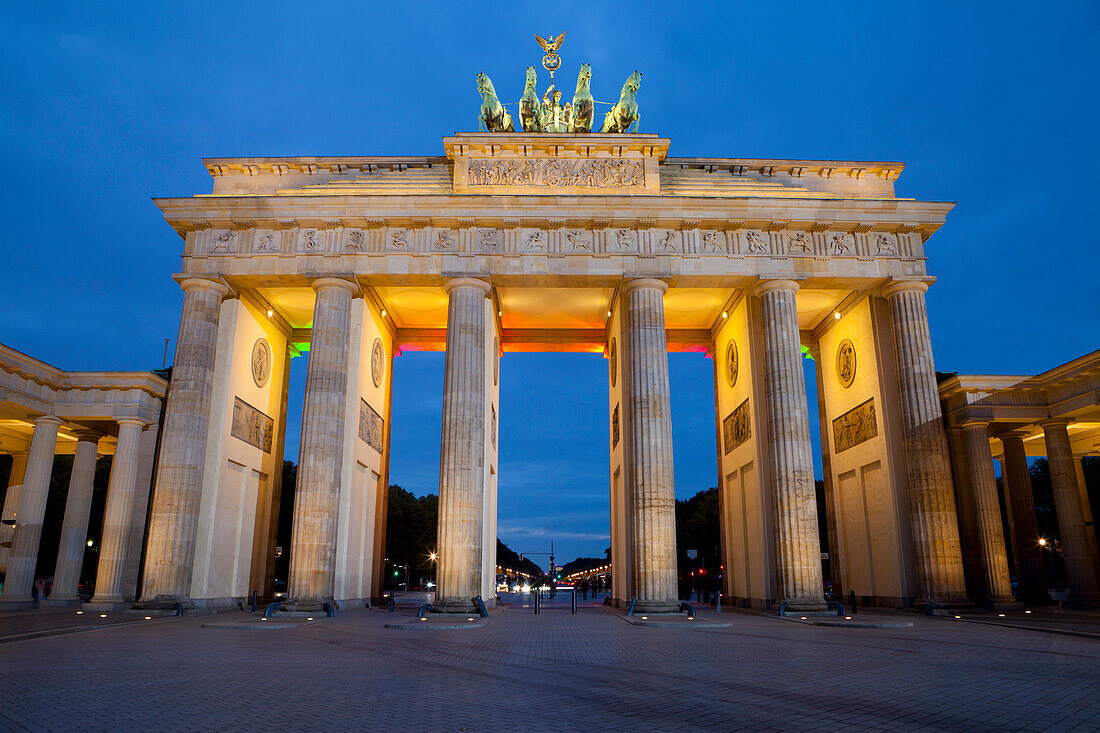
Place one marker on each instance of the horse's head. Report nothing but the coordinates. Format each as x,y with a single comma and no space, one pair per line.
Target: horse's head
532,76
484,85
584,76
634,81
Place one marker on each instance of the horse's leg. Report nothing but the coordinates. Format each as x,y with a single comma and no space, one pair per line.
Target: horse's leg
637,120
481,124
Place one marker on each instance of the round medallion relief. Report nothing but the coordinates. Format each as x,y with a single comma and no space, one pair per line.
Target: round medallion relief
496,361
377,362
846,363
261,362
613,353
731,363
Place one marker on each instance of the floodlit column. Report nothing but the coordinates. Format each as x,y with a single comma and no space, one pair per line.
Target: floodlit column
140,512
11,506
940,578
74,528
32,508
1031,574
792,469
115,542
462,456
654,499
173,525
321,450
983,484
1080,566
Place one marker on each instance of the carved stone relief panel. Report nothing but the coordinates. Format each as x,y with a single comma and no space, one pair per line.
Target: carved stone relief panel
886,243
493,424
355,241
251,425
377,362
736,428
846,363
312,241
533,240
626,240
488,240
261,362
397,240
799,243
667,241
265,241
613,355
224,242
756,242
578,240
856,426
842,243
371,426
556,173
615,427
445,240
712,242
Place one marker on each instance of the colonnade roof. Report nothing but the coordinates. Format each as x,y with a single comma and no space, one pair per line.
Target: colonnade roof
1068,392
95,400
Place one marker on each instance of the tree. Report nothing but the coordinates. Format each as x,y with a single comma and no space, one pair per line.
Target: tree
697,529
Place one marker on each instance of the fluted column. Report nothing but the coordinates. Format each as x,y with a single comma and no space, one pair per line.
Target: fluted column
11,505
140,512
74,528
1079,557
321,450
940,578
115,542
991,538
173,525
462,455
792,469
654,498
1031,573
32,508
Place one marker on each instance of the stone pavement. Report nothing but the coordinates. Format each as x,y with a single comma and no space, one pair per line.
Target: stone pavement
554,671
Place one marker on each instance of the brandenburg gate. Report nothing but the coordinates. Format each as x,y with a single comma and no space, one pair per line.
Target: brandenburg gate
543,241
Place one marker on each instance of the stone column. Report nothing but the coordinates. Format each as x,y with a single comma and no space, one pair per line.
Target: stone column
983,484
140,512
28,520
791,479
1080,565
654,499
1031,573
462,456
940,578
173,525
321,450
74,528
114,545
11,505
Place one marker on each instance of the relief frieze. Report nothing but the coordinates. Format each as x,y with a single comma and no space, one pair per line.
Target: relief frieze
735,428
251,425
856,426
371,426
557,173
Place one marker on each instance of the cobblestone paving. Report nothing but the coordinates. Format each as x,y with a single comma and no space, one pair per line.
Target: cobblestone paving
554,671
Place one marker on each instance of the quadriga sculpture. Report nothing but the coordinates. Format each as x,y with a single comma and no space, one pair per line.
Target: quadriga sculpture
625,113
493,117
530,108
583,104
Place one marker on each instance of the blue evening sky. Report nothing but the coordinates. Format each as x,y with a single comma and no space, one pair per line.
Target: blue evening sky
105,105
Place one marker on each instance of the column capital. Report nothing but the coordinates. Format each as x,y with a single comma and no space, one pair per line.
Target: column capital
87,435
767,286
454,283
1012,435
904,286
644,282
47,420
974,423
1054,423
334,282
132,421
204,283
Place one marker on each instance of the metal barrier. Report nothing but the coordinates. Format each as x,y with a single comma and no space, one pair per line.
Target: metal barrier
573,602
630,608
272,608
685,606
481,607
538,595
393,604
424,611
838,607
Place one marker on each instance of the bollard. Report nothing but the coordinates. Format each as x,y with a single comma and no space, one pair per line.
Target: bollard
718,603
573,606
852,601
537,595
393,603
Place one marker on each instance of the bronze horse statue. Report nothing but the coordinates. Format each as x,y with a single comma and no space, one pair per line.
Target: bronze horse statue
583,104
530,108
625,113
493,117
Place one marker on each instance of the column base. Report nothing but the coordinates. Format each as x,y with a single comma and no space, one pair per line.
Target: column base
1006,604
656,607
456,606
61,602
804,605
18,604
106,604
163,603
306,606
